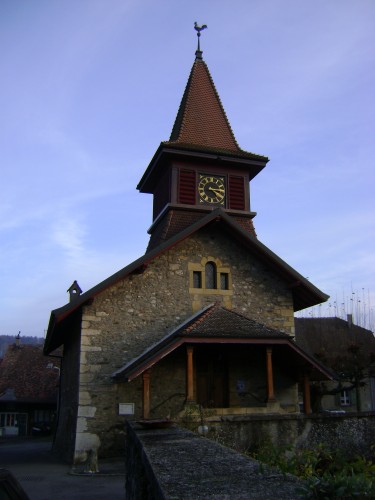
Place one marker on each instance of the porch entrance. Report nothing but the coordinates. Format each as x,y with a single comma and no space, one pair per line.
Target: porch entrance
212,378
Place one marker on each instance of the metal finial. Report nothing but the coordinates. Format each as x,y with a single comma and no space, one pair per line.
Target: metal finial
198,29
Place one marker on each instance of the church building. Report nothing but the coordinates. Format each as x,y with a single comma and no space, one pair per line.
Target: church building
205,318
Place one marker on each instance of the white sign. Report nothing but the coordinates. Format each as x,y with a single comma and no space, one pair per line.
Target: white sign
126,409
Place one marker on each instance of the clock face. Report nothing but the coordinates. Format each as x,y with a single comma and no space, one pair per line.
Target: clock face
211,189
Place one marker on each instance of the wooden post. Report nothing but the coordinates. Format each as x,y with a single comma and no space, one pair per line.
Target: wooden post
189,374
270,391
146,395
306,394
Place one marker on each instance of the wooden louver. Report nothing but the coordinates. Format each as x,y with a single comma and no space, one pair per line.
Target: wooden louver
236,193
187,187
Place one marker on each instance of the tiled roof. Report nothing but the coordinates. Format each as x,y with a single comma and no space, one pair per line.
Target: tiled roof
217,321
201,119
333,339
24,375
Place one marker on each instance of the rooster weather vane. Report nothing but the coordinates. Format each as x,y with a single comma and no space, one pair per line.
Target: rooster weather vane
198,29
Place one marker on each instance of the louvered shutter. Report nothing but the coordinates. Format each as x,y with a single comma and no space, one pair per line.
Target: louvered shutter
187,187
236,193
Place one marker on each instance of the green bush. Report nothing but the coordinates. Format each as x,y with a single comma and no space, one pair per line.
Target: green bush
327,474
339,486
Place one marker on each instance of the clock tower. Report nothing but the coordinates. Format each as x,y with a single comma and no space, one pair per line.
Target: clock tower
201,167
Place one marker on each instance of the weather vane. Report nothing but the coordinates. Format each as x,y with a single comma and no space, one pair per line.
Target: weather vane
198,29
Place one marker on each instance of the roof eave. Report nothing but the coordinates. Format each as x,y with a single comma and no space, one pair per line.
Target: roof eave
134,369
253,165
305,294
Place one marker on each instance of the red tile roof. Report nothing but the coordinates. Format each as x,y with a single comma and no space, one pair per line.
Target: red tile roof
24,375
201,119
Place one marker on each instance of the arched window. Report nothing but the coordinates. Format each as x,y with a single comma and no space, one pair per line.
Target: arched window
210,271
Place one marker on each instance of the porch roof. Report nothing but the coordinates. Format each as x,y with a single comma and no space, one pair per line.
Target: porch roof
217,325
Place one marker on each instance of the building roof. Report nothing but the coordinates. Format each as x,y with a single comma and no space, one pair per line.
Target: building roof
201,119
329,339
304,293
26,377
217,325
218,321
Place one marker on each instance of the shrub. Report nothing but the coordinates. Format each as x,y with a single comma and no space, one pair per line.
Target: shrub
327,474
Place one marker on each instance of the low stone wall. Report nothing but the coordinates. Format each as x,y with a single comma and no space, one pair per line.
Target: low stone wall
353,433
177,464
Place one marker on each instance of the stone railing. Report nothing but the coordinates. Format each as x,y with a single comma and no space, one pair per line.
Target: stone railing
174,463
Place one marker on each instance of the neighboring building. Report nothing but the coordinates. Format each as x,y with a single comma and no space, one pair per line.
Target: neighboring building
350,351
29,383
205,317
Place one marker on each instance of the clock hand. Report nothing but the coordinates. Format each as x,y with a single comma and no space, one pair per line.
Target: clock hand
216,190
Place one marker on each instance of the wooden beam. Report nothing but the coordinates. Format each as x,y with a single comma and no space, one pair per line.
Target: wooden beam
146,394
270,390
189,374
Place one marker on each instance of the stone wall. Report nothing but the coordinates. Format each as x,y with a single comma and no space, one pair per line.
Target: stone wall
174,463
130,316
353,434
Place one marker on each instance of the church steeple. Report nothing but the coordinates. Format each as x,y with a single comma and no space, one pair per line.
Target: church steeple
201,119
201,167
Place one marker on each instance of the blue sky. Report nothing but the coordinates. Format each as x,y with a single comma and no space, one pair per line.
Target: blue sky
88,90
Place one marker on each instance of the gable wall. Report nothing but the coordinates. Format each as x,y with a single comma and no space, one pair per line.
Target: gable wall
138,311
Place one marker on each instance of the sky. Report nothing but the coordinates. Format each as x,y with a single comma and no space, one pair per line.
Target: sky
89,89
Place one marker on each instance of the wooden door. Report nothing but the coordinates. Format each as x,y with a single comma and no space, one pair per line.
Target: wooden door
212,379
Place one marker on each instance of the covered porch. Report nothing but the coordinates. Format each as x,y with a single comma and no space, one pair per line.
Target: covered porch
251,369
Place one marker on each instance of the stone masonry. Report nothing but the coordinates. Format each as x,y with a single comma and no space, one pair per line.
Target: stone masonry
130,316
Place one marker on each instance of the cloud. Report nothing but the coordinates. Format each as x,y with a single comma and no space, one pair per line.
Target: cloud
69,234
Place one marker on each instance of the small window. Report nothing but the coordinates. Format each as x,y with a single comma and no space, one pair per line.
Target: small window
224,281
197,279
210,277
345,398
210,269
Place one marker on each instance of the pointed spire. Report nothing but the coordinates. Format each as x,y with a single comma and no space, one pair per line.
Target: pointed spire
201,119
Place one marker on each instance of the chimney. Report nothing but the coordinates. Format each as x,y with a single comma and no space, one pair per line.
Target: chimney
74,291
350,320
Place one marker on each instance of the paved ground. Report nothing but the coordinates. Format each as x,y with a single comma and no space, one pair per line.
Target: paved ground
45,477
